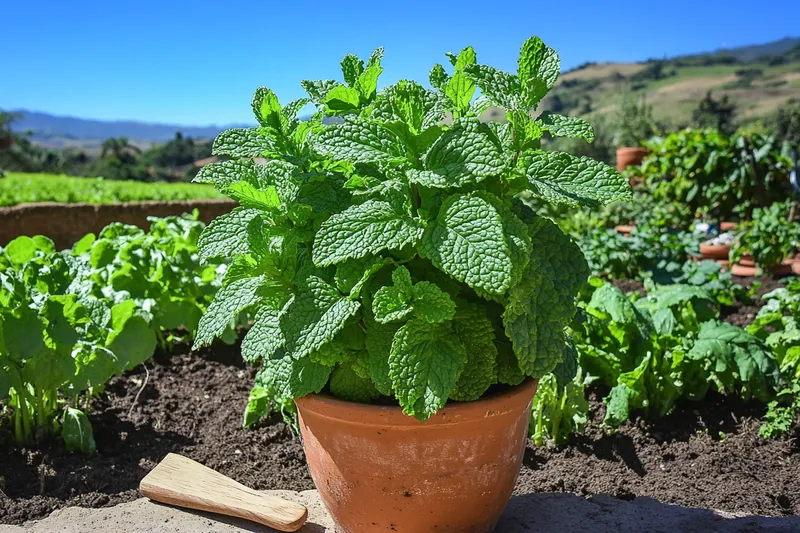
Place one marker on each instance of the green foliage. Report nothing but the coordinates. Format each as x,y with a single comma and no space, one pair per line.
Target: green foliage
21,188
71,320
769,237
635,123
391,228
717,174
559,410
713,113
716,281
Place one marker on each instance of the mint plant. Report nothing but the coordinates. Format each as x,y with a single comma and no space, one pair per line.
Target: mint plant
388,254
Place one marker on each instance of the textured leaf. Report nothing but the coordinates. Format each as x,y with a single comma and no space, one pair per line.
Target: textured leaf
562,178
424,365
464,154
438,77
360,142
77,432
348,385
466,241
228,302
363,229
501,88
280,175
352,67
223,174
226,236
561,126
317,90
352,274
315,317
253,198
259,402
265,335
476,331
390,304
342,98
516,236
432,304
379,344
536,60
267,109
244,142
542,304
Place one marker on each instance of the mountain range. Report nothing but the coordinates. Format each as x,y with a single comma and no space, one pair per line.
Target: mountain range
758,78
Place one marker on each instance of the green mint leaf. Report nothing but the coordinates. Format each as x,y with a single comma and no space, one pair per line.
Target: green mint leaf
464,154
379,345
352,67
280,175
542,304
473,327
562,178
561,126
226,236
363,229
259,402
526,131
265,335
253,198
332,354
348,385
424,365
244,142
536,60
432,304
508,370
516,236
367,82
360,142
438,78
461,87
318,90
307,377
467,242
77,432
390,304
341,99
227,304
267,109
499,87
315,317
353,274
223,174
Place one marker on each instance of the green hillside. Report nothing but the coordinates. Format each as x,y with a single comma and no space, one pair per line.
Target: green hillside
674,86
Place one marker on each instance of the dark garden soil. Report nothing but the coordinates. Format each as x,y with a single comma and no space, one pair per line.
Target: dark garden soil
704,455
742,314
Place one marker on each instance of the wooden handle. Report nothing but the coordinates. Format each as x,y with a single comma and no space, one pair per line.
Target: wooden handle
180,481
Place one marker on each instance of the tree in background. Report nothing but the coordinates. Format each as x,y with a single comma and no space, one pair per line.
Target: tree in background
635,123
787,123
713,113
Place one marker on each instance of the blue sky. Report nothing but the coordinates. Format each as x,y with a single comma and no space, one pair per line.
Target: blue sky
198,62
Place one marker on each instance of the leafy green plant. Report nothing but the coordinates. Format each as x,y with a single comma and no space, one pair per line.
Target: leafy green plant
711,173
559,410
712,278
71,320
387,255
635,121
769,237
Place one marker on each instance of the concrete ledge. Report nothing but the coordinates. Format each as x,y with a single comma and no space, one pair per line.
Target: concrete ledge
555,512
66,223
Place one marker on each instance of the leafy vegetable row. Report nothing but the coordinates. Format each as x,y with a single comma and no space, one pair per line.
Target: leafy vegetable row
72,319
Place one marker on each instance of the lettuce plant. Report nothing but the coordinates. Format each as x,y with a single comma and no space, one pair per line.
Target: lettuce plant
387,254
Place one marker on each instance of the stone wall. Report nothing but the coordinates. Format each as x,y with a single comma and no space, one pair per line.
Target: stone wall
66,223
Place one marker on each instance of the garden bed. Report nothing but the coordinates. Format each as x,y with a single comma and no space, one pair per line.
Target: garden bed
192,404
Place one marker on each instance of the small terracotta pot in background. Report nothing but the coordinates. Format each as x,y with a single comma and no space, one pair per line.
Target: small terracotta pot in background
727,226
796,265
630,157
377,469
625,230
715,251
746,267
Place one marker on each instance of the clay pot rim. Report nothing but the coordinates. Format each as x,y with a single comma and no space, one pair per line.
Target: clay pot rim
714,246
633,149
381,415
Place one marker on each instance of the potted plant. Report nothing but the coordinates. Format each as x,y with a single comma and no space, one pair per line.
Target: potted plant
717,248
635,123
402,295
764,242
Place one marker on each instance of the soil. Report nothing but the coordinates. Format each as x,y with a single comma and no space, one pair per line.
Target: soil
743,313
706,454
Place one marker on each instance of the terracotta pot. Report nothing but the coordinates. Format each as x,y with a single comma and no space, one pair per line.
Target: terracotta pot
624,230
727,226
377,469
796,266
744,271
715,251
630,157
747,261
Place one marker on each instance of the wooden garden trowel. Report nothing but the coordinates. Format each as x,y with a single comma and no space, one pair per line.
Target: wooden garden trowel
179,481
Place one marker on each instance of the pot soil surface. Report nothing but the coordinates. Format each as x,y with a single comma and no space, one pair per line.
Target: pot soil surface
706,454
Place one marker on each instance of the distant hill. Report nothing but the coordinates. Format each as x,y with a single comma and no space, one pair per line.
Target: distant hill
61,131
758,78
